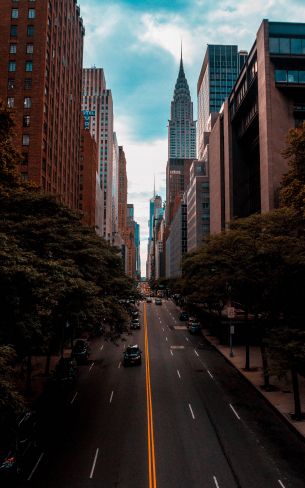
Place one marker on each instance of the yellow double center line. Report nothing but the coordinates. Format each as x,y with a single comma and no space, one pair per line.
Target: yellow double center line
150,424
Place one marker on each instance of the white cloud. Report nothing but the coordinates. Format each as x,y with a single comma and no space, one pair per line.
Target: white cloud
168,35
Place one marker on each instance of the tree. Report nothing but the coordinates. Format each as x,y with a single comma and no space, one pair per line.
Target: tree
292,192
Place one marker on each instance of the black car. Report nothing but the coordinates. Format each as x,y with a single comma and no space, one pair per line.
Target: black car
81,351
66,370
158,301
194,328
183,316
135,324
132,355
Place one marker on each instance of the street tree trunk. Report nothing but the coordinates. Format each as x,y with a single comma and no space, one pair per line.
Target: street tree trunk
28,380
247,365
296,395
266,376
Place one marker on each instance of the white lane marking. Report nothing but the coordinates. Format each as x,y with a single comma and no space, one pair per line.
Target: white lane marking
178,373
166,339
91,366
192,413
215,481
163,329
119,365
73,398
209,372
233,409
124,346
102,347
281,483
196,353
111,396
36,466
172,353
187,339
94,463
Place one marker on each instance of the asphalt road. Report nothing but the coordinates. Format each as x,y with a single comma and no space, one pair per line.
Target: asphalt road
184,418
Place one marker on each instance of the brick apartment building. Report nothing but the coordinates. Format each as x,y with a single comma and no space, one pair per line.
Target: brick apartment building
41,54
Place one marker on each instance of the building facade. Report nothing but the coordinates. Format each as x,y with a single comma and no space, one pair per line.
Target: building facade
97,107
219,71
41,54
266,101
176,245
198,205
181,126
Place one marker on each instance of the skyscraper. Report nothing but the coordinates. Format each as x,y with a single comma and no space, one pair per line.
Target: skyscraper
97,108
181,126
41,53
181,143
219,71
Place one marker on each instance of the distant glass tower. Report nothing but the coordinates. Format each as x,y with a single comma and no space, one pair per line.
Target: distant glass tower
220,68
181,126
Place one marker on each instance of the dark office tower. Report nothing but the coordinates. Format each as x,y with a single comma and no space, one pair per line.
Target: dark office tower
41,54
181,126
220,68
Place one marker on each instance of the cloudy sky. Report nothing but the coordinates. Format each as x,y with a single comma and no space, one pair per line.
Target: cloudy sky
137,42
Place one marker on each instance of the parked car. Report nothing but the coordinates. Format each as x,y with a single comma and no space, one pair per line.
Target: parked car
132,355
80,351
184,316
22,442
66,370
135,324
194,328
158,301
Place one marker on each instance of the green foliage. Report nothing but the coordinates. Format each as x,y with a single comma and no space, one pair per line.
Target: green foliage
292,192
11,403
53,270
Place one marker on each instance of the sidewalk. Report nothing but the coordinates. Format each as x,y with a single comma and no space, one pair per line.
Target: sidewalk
281,399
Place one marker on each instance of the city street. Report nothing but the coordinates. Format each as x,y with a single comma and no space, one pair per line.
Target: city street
184,418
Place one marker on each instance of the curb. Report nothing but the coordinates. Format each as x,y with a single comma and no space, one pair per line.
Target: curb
276,410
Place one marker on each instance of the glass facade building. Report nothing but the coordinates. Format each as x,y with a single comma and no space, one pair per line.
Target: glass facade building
221,66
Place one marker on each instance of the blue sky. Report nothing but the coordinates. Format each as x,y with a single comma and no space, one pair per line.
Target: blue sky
138,45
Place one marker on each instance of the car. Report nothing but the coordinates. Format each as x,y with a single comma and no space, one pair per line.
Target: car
80,351
148,300
194,328
132,355
66,370
184,316
134,314
135,324
158,301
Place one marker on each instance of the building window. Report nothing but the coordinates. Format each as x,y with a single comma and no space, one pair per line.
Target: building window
12,66
13,48
10,102
15,13
29,48
11,83
25,158
28,83
32,13
13,31
27,103
30,31
25,140
29,66
26,121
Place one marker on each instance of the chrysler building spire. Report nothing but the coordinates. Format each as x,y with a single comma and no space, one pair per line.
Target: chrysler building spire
182,127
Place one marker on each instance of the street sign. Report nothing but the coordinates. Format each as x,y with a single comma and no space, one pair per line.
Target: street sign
231,312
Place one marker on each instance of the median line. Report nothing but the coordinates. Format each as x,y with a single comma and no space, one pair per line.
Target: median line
150,426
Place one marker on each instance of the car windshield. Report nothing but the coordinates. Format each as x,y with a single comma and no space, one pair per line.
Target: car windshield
132,350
